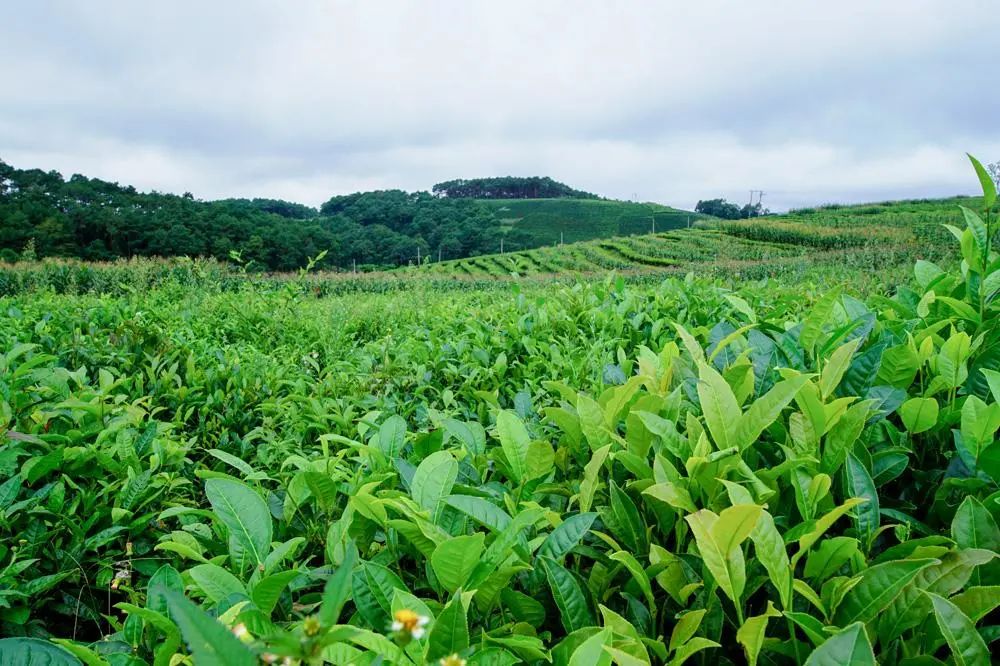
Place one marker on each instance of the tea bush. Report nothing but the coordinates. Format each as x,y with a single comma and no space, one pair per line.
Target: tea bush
693,470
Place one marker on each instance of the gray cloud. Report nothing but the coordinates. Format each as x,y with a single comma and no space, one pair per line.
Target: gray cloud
849,101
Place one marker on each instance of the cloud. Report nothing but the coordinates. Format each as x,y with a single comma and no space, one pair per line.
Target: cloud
671,101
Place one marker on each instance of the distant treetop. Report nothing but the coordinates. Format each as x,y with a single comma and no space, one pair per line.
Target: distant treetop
508,187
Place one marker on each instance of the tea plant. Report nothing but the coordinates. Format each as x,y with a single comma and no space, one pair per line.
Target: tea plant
596,474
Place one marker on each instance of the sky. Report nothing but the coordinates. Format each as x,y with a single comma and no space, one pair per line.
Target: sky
660,101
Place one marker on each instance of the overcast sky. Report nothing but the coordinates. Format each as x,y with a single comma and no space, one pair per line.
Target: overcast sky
667,101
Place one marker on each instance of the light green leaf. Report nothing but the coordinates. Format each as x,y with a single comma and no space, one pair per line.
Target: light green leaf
454,560
763,412
515,441
967,646
978,602
974,527
673,494
812,326
338,587
770,550
751,634
433,481
266,593
392,436
639,574
829,557
719,538
718,405
591,477
247,518
979,425
539,461
877,588
976,225
591,652
216,582
824,523
919,414
687,625
842,436
989,187
482,511
835,367
450,632
848,646
592,423
689,649
911,607
210,643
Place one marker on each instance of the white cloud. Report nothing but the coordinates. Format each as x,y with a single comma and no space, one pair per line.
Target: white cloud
673,101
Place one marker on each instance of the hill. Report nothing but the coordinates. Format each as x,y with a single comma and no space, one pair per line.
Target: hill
867,236
552,221
44,215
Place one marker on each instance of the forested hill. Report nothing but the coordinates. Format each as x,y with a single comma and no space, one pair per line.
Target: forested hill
42,214
509,187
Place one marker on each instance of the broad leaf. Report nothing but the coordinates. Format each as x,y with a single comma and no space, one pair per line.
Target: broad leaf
967,646
455,559
247,518
848,646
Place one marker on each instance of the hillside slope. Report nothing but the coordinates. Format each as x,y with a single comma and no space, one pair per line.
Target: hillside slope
551,221
866,236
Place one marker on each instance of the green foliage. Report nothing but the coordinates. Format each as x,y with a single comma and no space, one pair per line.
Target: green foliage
509,187
607,473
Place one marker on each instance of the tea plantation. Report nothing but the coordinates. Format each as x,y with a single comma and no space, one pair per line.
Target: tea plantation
759,442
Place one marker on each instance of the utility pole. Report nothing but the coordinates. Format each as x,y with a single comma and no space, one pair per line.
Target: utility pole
354,265
501,245
760,196
418,255
560,238
439,254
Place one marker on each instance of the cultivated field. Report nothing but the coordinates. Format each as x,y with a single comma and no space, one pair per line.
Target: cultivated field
763,442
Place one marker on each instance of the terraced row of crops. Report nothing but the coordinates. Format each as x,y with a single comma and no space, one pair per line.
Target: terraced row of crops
550,221
911,231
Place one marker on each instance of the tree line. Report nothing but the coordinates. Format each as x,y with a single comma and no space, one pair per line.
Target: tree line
508,187
730,211
98,220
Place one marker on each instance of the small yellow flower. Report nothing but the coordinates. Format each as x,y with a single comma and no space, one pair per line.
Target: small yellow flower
453,660
407,622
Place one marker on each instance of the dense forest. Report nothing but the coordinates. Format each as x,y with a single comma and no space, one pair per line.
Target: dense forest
43,214
508,187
